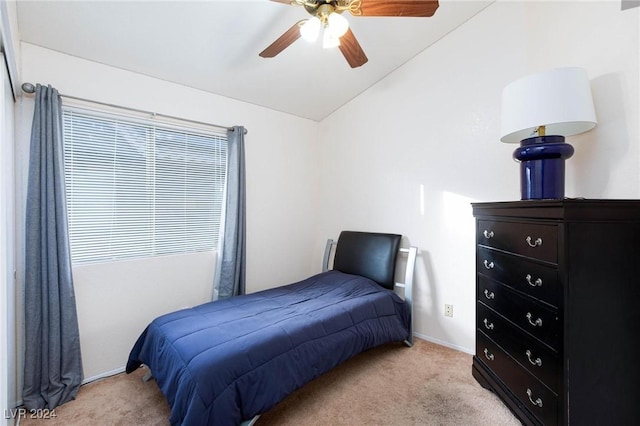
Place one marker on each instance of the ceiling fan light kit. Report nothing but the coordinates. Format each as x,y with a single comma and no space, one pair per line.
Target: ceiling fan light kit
326,16
330,40
337,24
310,29
334,25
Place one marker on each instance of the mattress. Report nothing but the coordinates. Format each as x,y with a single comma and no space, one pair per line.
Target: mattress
226,361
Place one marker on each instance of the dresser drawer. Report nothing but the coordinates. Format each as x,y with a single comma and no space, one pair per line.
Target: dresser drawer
530,316
532,278
531,393
528,239
538,359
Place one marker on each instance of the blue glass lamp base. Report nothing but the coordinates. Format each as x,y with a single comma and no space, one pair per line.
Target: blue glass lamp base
542,166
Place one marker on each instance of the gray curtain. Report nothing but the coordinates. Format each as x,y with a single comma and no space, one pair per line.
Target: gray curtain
52,362
231,261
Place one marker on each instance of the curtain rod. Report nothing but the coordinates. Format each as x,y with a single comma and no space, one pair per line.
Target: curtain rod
30,88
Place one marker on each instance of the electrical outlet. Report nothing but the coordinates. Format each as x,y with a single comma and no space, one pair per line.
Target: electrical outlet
448,310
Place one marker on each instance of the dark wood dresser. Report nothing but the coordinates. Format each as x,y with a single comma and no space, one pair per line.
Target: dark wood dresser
558,309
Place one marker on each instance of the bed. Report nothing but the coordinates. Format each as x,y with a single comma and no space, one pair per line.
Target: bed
227,361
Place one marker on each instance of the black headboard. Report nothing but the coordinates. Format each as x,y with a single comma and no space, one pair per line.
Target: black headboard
371,255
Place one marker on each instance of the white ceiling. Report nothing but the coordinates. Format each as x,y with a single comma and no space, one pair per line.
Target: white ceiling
213,45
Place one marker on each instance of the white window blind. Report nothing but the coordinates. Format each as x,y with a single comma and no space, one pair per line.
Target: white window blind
139,188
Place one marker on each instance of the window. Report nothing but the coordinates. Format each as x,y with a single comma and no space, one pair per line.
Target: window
140,188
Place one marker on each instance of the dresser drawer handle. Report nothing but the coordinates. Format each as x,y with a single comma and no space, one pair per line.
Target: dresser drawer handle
537,402
488,355
536,283
489,294
488,265
536,361
488,325
536,243
536,323
488,234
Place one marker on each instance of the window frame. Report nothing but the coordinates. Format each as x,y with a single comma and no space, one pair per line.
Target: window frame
156,133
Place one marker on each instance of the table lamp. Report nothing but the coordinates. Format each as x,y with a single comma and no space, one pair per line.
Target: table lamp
538,111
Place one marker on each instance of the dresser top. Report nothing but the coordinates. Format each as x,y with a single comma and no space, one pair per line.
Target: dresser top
574,209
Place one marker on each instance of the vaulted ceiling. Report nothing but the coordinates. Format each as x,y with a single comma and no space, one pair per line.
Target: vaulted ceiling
213,45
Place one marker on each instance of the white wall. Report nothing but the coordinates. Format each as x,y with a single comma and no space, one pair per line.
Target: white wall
430,131
282,183
116,300
7,247
8,350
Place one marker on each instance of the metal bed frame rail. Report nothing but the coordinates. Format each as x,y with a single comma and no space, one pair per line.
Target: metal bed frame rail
407,285
412,253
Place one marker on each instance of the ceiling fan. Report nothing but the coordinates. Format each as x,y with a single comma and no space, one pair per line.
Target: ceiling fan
326,18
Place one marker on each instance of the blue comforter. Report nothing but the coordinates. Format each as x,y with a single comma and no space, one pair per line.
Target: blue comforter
226,361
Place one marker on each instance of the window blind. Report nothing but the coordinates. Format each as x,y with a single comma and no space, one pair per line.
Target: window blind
139,188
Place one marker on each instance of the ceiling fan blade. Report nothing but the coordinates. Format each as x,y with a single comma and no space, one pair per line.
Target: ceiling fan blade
352,50
284,41
412,8
284,1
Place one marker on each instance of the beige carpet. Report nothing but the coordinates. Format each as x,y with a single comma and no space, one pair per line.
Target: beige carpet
390,385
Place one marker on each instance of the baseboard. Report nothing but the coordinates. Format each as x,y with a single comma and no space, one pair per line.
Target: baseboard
418,335
445,344
103,375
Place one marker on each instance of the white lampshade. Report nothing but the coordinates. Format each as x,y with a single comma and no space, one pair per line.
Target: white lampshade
559,99
310,30
329,40
337,24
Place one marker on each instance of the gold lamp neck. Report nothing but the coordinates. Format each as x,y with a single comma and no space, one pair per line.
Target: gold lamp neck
324,10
